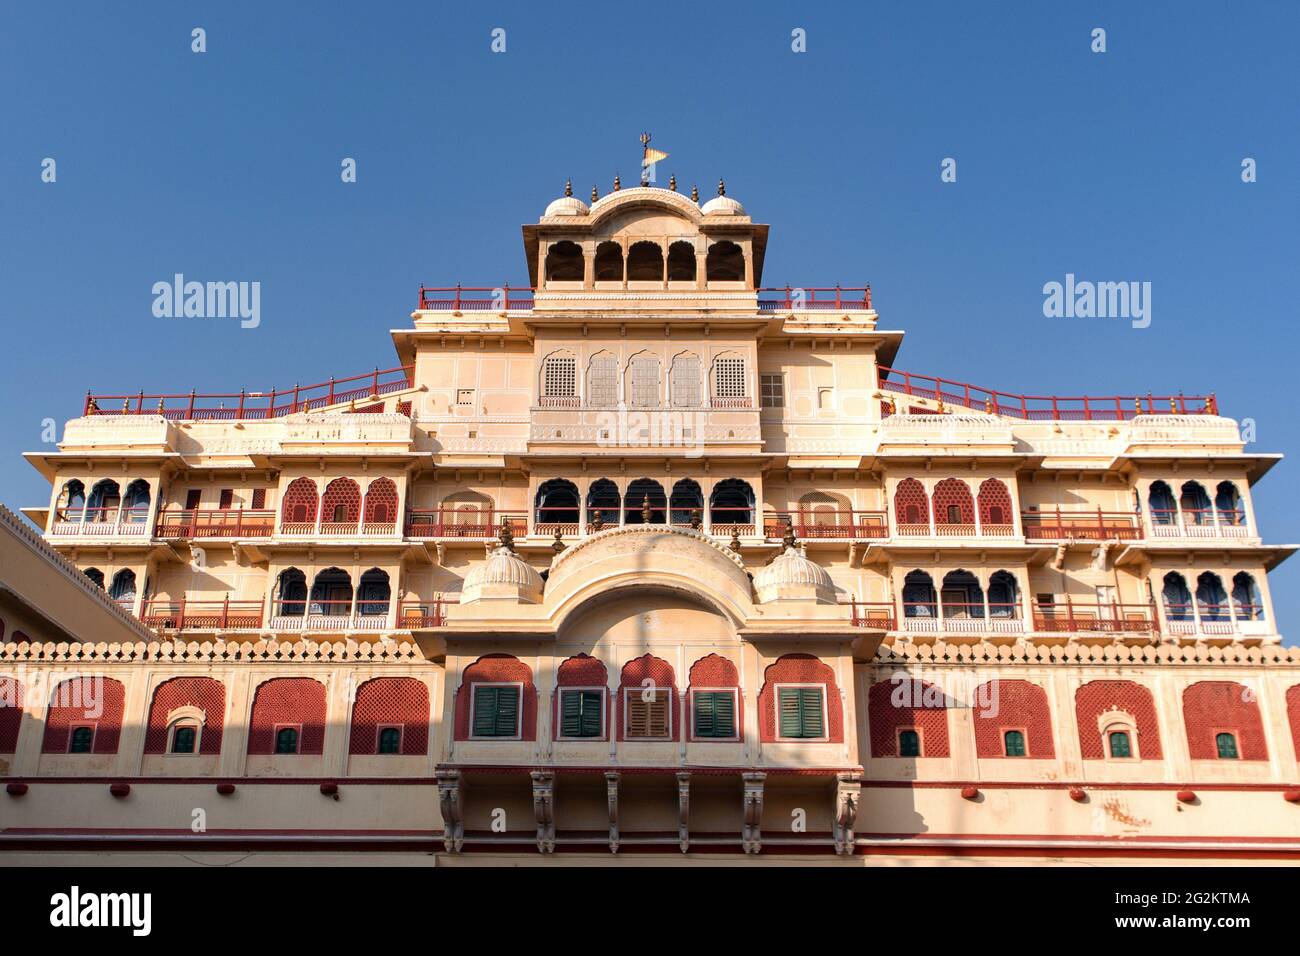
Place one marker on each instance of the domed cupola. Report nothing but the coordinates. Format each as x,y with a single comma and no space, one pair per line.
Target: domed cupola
568,204
722,204
504,576
792,577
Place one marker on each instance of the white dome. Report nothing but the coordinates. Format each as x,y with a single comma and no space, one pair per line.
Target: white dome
722,206
791,576
503,575
567,206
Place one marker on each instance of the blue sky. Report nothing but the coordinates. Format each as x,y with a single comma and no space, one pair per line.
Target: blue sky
225,166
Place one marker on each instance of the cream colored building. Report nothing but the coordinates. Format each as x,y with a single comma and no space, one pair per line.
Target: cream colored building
647,558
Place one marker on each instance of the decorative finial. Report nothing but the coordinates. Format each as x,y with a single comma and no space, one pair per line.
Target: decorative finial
734,545
126,406
1137,405
507,537
568,186
672,182
160,406
93,407
1173,405
645,510
988,406
695,519
595,193
695,193
617,185
722,187
787,539
598,521
558,545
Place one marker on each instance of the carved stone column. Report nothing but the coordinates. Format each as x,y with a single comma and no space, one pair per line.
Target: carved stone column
848,794
449,802
684,811
611,795
751,836
544,809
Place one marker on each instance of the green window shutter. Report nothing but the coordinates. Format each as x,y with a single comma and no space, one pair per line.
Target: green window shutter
1015,743
1119,744
485,709
909,744
591,724
715,713
789,712
507,712
1227,746
800,712
580,714
390,739
811,704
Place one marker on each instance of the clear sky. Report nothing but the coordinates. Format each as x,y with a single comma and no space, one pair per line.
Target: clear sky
1116,166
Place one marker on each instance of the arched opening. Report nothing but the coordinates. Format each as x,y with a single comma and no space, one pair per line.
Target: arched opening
96,576
331,594
681,262
725,262
918,596
685,376
995,507
911,508
731,507
643,389
1160,499
1226,746
962,597
1212,599
1228,504
603,503
602,380
1195,504
373,594
105,501
559,381
123,588
609,262
135,505
954,509
464,514
556,507
823,515
72,501
1004,596
1177,598
1247,602
286,740
686,503
645,262
644,502
564,262
298,510
340,507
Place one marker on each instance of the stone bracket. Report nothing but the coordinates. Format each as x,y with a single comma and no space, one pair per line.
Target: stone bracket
611,794
848,796
449,802
544,809
751,835
684,811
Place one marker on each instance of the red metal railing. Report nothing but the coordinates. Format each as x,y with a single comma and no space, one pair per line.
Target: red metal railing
1081,525
421,614
450,523
330,615
1106,618
1042,407
183,615
877,615
458,298
252,406
215,523
797,299
826,524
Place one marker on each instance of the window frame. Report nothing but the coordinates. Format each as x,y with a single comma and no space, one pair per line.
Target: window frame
766,398
599,689
275,740
519,710
627,712
178,724
1024,742
1112,732
776,712
1236,743
898,742
92,726
1113,721
735,714
401,739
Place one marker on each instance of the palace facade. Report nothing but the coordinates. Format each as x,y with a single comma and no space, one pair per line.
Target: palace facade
647,561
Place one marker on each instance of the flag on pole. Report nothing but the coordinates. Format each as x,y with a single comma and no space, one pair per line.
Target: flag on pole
652,156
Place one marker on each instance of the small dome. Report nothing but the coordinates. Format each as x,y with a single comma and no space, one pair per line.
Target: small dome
791,576
504,575
722,206
567,206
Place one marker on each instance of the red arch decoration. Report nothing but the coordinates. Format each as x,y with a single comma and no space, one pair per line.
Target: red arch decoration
660,672
994,497
381,502
388,702
716,671
11,713
97,701
907,704
1012,705
911,504
1100,696
1293,716
1213,707
495,669
299,504
799,669
298,701
345,492
581,670
205,693
953,492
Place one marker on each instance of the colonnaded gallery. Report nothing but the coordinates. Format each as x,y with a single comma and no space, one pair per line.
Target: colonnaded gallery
646,562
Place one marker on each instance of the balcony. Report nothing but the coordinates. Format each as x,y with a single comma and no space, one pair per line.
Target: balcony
1071,618
1215,620
329,615
942,529
215,523
826,524
339,529
930,617
100,522
186,615
1080,526
1198,523
474,524
503,298
873,615
423,614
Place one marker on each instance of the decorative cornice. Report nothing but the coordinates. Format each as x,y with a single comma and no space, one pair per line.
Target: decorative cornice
1085,654
655,529
218,652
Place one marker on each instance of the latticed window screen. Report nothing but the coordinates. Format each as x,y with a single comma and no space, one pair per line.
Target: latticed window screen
1120,745
800,712
771,391
648,713
729,378
580,713
686,381
602,381
644,375
560,377
1014,742
496,711
715,713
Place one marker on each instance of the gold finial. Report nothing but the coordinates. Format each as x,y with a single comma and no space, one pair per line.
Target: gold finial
558,545
595,193
1137,405
93,407
568,187
645,510
598,521
787,539
672,182
617,186
645,140
507,537
942,410
695,193
735,539
160,406
722,187
988,406
695,519
1173,404
126,405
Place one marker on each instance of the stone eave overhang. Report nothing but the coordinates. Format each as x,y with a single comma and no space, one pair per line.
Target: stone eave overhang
1144,553
1257,465
48,463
